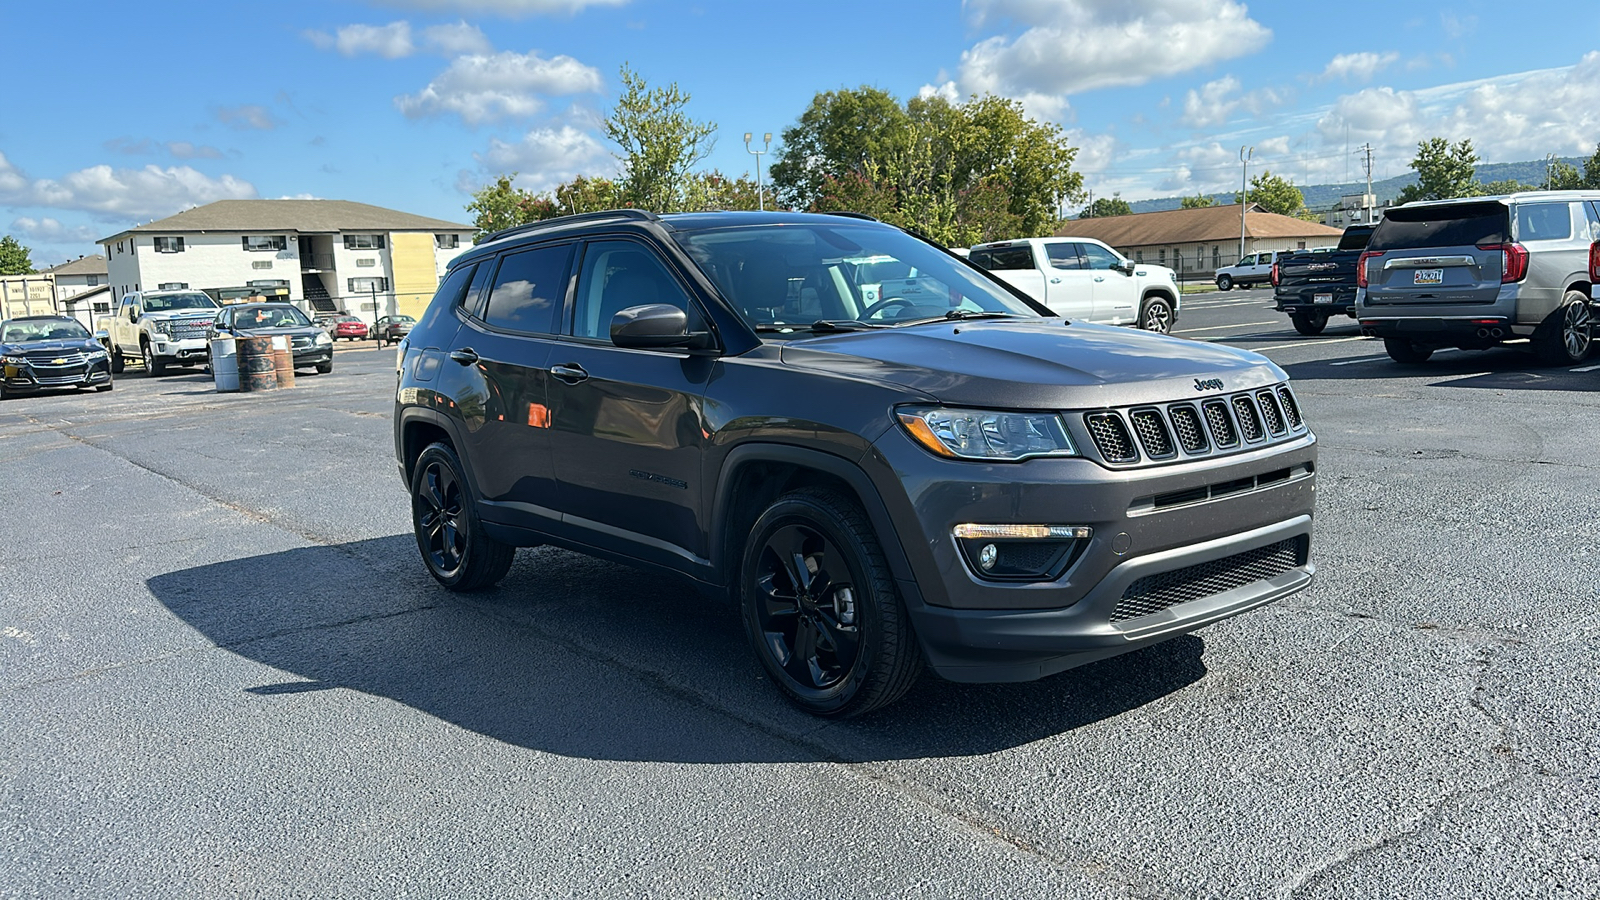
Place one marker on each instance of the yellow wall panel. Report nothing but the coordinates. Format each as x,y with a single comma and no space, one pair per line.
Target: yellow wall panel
415,277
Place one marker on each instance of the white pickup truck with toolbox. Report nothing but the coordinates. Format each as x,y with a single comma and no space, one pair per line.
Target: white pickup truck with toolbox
1081,278
163,328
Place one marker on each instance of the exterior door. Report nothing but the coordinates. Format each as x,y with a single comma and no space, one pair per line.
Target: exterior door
1070,290
1116,294
500,359
627,426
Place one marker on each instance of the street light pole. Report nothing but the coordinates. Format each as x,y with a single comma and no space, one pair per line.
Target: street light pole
1245,155
761,202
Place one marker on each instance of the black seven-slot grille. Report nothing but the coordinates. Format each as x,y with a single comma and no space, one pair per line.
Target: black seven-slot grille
1154,593
1179,430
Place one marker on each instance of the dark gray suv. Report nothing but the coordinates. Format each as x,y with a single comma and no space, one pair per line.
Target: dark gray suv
885,475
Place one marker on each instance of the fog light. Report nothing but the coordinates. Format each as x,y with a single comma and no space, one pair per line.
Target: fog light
987,556
1021,552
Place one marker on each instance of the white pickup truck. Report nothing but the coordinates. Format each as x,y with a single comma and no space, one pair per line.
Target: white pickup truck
164,328
1081,278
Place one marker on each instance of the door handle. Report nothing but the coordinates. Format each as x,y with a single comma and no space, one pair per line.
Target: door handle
1099,278
465,356
1055,281
570,373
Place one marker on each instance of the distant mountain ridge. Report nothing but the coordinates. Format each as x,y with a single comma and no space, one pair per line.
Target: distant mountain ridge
1324,196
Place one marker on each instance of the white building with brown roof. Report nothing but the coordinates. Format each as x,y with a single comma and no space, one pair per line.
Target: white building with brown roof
1197,242
78,275
323,255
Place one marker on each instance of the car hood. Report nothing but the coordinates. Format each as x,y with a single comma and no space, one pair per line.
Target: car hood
298,331
1036,363
69,346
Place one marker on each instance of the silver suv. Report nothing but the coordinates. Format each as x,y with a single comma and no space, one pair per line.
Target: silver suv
1476,273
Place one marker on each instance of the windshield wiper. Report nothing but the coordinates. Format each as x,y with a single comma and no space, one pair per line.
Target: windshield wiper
821,325
960,315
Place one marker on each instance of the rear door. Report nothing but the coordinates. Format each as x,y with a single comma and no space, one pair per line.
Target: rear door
1014,264
1070,285
1438,254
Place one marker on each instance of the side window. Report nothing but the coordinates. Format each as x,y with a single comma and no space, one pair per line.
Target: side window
1544,221
1099,257
617,275
528,290
478,291
997,259
1064,255
453,290
1591,211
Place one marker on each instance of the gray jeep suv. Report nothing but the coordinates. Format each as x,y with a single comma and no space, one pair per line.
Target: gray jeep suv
1481,272
934,473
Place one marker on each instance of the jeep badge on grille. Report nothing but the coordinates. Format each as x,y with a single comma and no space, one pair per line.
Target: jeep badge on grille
1210,384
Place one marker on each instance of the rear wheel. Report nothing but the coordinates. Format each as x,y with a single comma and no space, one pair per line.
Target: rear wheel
1224,283
821,609
1408,352
1568,335
457,552
1156,315
117,362
1309,324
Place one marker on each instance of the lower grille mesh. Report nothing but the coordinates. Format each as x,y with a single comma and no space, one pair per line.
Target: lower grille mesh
1290,408
1248,422
1154,593
1152,433
1221,423
1269,412
1186,422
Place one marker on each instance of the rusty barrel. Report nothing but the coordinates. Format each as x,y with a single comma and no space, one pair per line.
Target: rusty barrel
283,360
256,370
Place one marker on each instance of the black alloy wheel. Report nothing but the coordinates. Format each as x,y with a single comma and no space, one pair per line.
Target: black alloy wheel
821,609
1567,336
1156,316
1309,324
1407,352
457,552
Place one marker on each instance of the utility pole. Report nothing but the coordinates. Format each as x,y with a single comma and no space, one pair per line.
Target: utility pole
1369,203
1549,163
1088,212
1245,155
761,202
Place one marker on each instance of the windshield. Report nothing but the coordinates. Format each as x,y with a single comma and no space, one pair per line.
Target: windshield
47,330
270,317
166,302
792,277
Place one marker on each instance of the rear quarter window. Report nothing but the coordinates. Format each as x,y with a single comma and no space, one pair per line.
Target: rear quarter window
997,259
1544,222
1431,227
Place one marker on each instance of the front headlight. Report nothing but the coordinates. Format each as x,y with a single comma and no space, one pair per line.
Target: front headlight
322,338
13,360
96,354
164,326
987,434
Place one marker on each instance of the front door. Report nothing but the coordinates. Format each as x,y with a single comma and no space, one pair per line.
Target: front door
627,426
1116,293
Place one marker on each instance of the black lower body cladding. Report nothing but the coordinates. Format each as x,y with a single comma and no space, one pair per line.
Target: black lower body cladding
1172,548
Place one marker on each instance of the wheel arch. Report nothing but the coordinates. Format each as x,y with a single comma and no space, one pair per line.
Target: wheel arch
419,428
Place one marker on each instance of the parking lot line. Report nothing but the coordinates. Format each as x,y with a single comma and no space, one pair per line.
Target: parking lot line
1220,327
1304,343
1367,359
1584,369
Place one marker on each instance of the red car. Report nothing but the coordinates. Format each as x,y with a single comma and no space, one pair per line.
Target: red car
348,327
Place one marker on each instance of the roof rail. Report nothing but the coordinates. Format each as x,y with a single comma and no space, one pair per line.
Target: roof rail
637,214
852,215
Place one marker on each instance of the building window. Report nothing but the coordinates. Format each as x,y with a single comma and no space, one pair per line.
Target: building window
169,245
363,242
368,285
264,242
1138,256
1302,245
1216,257
366,263
447,241
92,280
102,308
261,264
173,286
1163,256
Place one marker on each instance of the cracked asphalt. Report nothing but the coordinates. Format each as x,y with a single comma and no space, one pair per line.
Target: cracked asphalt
227,673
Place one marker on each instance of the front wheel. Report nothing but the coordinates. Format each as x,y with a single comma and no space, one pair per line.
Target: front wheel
324,368
1567,336
820,606
1224,283
153,365
118,364
102,388
1408,352
457,552
1156,315
1309,324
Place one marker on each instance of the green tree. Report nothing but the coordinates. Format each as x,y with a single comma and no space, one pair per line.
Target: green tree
1563,177
1444,170
1507,186
660,143
1591,170
1105,207
501,204
841,133
14,257
581,195
1198,201
1275,194
714,190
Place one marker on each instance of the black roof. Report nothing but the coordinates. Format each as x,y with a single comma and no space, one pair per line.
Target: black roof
44,319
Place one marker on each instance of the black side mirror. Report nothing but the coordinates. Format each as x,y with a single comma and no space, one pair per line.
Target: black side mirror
133,314
654,325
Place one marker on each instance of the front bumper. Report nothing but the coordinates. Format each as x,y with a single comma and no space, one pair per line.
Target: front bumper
187,352
314,356
28,379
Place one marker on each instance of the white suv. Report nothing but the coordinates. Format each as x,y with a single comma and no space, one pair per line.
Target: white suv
1081,278
1253,269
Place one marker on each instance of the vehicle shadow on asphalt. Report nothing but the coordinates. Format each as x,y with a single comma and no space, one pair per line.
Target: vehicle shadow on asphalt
579,657
1500,369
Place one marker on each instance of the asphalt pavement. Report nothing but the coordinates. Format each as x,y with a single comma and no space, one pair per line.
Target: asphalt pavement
227,673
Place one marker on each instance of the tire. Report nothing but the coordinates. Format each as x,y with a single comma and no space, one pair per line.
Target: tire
1224,283
1156,315
1407,352
454,547
102,388
153,365
1567,336
801,631
118,364
1309,324
324,368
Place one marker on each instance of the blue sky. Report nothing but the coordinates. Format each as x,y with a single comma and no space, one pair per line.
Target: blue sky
121,113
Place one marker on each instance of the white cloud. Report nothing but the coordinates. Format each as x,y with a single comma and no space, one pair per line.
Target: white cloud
51,231
1070,46
545,157
124,193
511,8
249,115
1214,103
1358,67
396,40
482,88
947,90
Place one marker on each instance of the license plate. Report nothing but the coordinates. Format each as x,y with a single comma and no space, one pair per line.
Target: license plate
1321,298
1428,276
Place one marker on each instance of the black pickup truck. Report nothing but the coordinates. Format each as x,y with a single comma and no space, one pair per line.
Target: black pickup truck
1312,285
